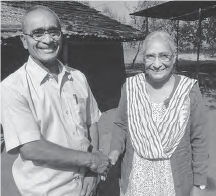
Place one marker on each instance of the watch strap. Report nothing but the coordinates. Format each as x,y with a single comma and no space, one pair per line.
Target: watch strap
202,187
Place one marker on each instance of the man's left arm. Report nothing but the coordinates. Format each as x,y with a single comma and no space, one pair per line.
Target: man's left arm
91,179
94,137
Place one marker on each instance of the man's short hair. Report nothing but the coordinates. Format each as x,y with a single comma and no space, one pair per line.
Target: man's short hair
37,7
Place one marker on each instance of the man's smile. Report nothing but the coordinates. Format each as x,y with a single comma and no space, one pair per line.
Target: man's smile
48,50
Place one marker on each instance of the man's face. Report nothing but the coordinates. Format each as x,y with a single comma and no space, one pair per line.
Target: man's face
47,49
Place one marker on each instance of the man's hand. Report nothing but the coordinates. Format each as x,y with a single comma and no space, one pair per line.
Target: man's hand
113,156
197,192
90,183
100,163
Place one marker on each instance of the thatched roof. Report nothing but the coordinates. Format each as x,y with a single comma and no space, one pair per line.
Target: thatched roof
79,21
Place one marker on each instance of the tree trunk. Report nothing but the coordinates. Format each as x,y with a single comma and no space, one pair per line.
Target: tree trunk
135,57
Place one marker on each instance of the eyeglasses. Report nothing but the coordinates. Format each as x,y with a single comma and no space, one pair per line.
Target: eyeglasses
163,57
38,35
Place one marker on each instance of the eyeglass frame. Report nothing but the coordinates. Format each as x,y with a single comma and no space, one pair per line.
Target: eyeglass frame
45,32
158,56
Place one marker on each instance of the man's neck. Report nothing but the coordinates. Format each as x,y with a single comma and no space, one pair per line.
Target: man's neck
51,67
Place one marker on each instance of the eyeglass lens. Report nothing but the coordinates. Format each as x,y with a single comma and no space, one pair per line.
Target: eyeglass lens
39,34
162,57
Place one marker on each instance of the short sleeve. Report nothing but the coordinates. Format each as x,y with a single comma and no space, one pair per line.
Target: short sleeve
17,120
92,111
120,125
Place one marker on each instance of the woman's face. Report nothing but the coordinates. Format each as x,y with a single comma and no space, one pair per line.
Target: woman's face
159,60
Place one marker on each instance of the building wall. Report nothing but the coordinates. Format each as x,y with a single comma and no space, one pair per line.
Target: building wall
13,56
103,65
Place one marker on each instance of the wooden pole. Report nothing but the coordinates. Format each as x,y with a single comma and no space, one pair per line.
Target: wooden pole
147,29
198,43
177,44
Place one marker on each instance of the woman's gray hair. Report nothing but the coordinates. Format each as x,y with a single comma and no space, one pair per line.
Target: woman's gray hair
37,7
162,35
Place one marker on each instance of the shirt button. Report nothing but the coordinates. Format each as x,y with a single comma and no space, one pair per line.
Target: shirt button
178,186
67,112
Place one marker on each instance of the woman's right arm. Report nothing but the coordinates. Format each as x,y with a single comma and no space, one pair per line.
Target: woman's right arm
120,127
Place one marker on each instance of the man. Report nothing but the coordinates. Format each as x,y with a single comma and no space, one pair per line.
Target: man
49,117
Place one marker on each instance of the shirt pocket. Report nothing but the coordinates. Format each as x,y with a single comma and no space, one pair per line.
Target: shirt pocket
78,110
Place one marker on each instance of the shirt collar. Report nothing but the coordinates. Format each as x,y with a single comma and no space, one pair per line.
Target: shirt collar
65,70
40,75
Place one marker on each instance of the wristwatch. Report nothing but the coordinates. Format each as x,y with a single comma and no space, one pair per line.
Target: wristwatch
202,187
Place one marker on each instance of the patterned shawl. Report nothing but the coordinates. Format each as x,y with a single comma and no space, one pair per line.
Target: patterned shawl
149,140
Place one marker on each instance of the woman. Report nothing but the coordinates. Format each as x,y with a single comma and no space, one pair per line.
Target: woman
161,118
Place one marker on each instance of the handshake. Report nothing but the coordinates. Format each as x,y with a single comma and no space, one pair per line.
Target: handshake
101,164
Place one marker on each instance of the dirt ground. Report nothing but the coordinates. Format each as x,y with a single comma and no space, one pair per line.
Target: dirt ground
8,187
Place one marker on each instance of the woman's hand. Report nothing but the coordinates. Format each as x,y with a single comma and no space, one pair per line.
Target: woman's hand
113,156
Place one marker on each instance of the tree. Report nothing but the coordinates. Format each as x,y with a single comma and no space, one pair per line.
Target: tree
146,25
187,35
108,11
155,24
209,34
137,23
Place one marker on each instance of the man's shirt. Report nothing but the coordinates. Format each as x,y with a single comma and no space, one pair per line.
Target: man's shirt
35,106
